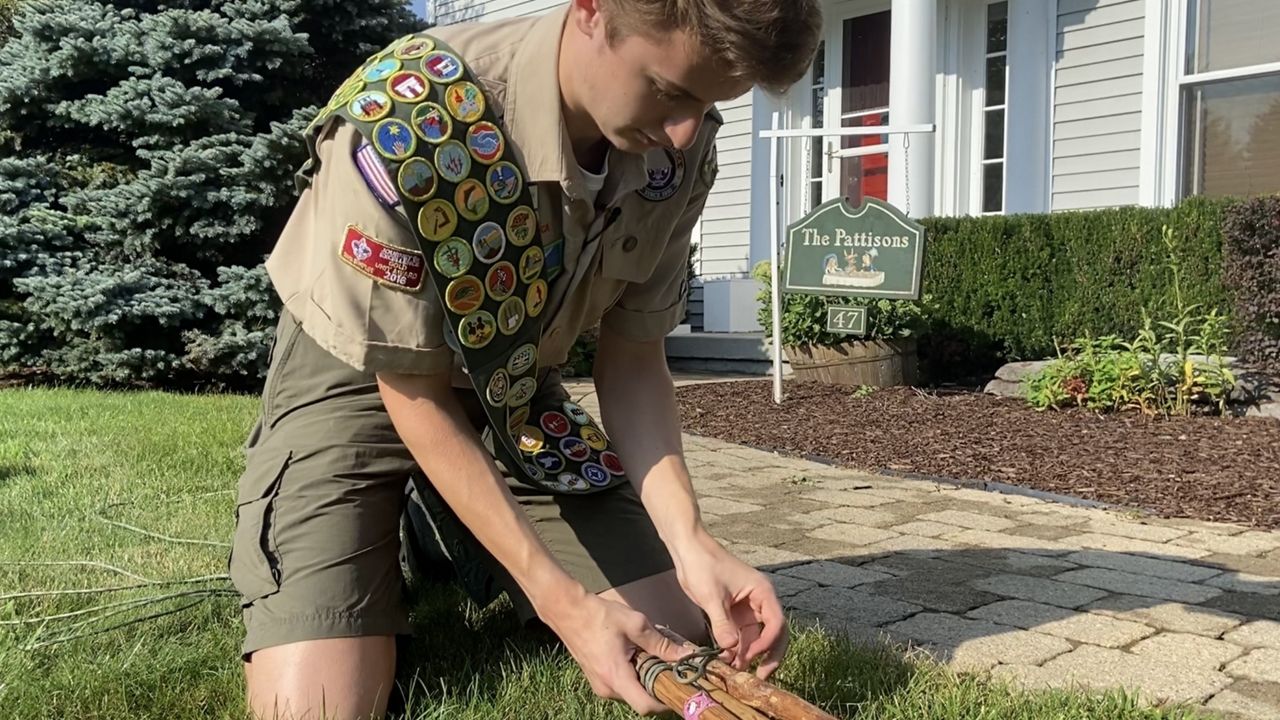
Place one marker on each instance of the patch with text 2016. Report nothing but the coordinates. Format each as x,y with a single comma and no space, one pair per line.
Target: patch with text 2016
395,267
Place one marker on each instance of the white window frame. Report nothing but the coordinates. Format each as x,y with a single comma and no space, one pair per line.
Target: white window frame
1164,91
982,109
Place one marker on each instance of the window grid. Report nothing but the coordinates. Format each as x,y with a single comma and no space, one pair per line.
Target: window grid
995,104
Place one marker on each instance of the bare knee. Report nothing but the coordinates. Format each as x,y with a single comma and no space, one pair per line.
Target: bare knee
661,599
330,679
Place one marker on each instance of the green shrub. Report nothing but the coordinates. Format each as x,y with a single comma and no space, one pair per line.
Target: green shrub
1251,272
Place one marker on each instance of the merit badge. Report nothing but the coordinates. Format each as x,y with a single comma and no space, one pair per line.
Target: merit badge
510,316
453,162
432,123
453,258
534,472
465,101
396,267
576,413
522,226
476,330
666,174
516,420
394,139
471,200
522,359
415,48
549,460
555,486
437,220
485,142
498,386
522,392
596,475
504,182
536,298
381,70
489,242
531,264
531,440
408,86
572,482
501,281
611,462
555,424
464,295
442,67
594,438
575,449
374,172
345,94
370,106
417,179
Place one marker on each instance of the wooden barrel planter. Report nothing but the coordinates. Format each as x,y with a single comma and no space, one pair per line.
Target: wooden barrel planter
877,363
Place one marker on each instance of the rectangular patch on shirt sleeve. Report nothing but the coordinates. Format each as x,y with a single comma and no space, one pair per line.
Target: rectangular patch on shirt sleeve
395,267
376,176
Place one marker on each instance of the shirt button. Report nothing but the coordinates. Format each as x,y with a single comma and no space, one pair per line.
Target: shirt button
629,244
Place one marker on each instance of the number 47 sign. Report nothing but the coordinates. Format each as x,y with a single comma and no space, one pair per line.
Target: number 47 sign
847,320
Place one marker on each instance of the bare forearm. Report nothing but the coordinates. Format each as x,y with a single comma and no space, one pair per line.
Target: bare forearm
435,429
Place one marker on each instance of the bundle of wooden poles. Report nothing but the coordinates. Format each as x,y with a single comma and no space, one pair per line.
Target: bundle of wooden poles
701,687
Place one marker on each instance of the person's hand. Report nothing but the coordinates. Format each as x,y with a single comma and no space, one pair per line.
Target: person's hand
603,636
746,617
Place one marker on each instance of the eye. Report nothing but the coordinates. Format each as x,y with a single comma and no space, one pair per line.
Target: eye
661,94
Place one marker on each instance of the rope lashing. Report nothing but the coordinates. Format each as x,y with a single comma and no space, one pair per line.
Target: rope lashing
687,670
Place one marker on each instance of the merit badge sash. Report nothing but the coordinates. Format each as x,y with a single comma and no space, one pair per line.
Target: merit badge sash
434,148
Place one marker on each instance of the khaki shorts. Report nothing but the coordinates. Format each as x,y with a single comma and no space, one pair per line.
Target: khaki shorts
316,552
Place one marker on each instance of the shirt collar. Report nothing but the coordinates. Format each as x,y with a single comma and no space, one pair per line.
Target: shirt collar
535,115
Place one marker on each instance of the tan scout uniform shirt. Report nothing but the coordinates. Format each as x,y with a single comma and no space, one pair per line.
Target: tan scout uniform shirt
624,259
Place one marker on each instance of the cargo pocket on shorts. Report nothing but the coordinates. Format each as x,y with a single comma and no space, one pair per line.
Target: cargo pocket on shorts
254,564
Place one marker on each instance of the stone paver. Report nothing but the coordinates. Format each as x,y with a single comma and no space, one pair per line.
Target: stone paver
1115,543
851,534
845,497
1158,679
851,605
925,528
972,521
824,572
944,592
1059,622
1244,582
1133,530
975,644
1003,541
1049,592
855,516
1165,615
1260,633
1196,649
1143,585
1246,699
916,544
1260,664
1143,565
786,585
1247,543
722,506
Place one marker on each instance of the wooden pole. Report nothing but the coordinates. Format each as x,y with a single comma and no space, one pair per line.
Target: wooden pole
691,701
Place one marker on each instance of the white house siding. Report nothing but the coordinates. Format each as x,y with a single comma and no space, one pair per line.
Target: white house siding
1097,123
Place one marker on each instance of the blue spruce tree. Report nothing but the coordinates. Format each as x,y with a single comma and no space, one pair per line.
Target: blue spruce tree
146,158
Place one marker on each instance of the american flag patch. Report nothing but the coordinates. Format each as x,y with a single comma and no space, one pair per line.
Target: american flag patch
375,175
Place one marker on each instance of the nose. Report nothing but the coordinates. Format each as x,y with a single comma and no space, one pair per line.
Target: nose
683,131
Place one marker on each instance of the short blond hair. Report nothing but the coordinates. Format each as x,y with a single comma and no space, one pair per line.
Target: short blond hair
769,43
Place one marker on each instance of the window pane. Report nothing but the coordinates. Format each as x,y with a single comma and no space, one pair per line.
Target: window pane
1224,34
995,80
863,177
997,27
820,65
993,135
1232,132
993,187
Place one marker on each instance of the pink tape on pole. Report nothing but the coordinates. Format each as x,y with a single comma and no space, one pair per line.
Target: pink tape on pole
698,704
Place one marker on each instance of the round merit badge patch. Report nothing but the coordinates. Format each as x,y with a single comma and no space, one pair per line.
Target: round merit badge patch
415,48
442,67
575,449
417,179
594,438
596,475
516,420
370,106
666,174
453,162
485,142
437,220
501,281
522,392
394,140
610,460
522,226
408,86
504,182
471,200
489,242
531,264
549,460
554,424
465,101
432,123
510,316
464,295
535,473
499,383
453,258
476,330
572,482
522,359
531,440
536,298
576,413
381,70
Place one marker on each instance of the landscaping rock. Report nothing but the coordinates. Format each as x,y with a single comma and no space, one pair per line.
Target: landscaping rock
1004,388
1017,372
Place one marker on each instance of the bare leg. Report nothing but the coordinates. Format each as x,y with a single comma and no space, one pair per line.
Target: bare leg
663,601
333,679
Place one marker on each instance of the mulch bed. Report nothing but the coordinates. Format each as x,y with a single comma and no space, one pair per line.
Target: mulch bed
1208,468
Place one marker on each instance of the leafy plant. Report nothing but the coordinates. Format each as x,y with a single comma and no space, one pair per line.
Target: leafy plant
1251,273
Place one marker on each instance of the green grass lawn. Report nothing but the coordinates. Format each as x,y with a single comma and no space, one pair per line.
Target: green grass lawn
168,464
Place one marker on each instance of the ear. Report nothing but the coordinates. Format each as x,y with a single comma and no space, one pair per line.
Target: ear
586,16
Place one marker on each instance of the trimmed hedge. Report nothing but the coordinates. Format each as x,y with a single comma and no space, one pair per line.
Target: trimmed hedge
1251,272
1014,287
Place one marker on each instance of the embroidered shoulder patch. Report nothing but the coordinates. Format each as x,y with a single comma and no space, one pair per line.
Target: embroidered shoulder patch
395,267
666,174
376,176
